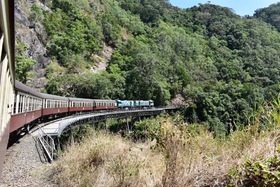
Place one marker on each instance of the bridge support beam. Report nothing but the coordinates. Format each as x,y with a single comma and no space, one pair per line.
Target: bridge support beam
127,125
58,145
71,136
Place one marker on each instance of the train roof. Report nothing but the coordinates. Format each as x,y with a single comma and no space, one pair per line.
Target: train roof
55,97
87,99
26,89
104,100
79,99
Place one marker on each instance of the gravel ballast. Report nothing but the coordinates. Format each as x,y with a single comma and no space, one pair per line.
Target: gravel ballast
24,166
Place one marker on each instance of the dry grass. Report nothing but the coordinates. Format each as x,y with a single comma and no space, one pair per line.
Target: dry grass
181,158
108,160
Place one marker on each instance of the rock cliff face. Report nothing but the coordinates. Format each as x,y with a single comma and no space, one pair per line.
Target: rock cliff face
33,36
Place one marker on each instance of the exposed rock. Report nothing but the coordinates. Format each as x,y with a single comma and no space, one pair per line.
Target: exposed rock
179,100
102,60
34,37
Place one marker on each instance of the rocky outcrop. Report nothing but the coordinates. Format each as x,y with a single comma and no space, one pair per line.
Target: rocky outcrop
32,34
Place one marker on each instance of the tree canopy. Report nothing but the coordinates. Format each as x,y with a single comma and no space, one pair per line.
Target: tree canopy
223,64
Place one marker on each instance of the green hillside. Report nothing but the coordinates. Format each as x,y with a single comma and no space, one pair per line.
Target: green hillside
223,65
270,15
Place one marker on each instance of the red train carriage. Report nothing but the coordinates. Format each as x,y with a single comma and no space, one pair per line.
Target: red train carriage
80,104
27,106
7,72
54,105
100,104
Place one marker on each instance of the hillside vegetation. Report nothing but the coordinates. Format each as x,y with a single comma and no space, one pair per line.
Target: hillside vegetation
175,153
224,66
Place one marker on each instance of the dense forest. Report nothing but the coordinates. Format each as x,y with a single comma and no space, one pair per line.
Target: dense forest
223,65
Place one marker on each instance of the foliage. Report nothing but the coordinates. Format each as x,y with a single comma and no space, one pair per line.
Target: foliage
36,14
257,173
270,15
24,64
225,66
87,85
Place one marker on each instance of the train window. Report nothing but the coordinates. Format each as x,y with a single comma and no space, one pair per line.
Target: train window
20,104
35,103
39,103
25,104
29,102
15,104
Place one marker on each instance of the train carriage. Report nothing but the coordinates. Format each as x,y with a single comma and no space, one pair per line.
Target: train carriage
7,72
102,104
80,104
27,106
54,105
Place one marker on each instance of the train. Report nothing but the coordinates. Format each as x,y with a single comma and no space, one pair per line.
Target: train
22,106
7,72
31,105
